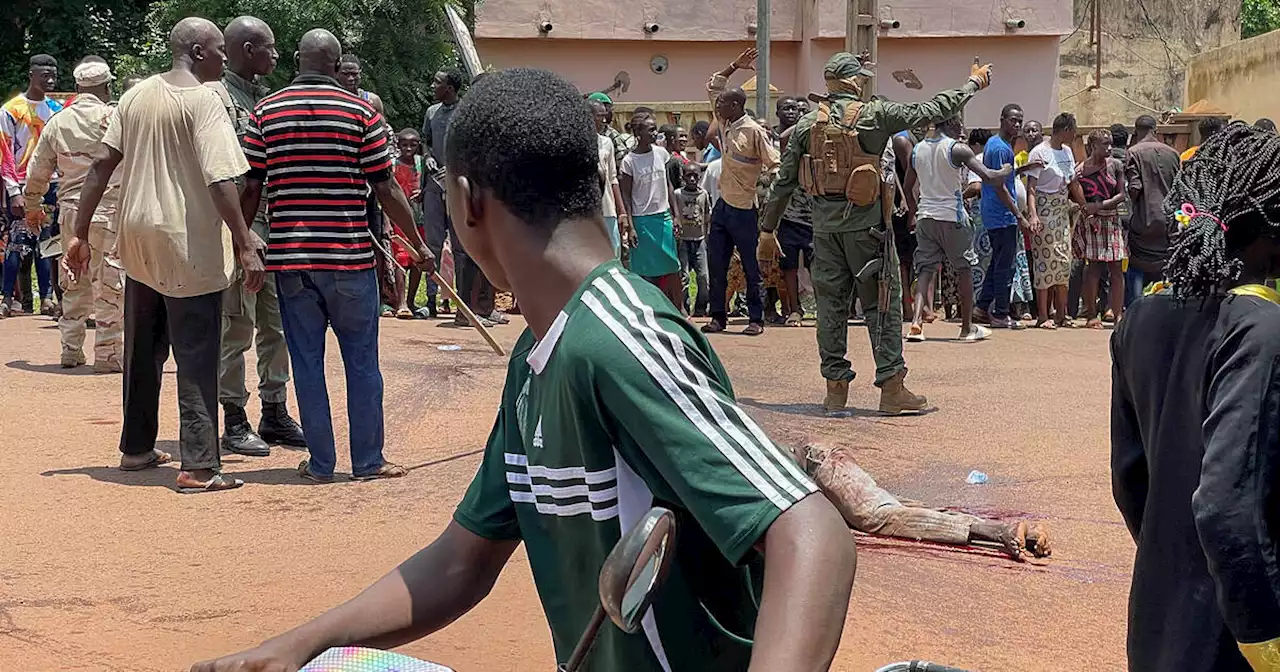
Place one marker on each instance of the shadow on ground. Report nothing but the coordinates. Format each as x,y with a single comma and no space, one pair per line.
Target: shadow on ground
24,365
811,410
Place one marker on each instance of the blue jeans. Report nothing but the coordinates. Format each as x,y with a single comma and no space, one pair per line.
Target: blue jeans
348,301
999,279
21,244
693,257
1134,283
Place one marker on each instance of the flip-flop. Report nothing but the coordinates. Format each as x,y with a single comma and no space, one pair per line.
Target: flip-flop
304,470
1093,324
218,483
387,312
404,314
753,330
713,327
915,334
387,470
1046,324
158,457
795,319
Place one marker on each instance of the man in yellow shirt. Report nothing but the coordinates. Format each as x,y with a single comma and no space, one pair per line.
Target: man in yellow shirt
747,152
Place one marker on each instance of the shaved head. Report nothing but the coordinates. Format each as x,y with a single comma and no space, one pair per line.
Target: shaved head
190,32
731,104
251,47
318,52
197,45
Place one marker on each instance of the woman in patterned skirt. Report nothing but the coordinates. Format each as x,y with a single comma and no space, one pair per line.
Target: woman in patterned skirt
1049,189
1100,238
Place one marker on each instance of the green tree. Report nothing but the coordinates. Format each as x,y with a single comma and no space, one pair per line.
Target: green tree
1258,17
400,42
67,30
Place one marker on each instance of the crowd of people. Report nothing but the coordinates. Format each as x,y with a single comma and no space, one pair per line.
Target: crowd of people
203,214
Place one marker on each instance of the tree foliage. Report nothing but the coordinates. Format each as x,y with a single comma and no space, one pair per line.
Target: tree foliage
67,30
1258,17
401,42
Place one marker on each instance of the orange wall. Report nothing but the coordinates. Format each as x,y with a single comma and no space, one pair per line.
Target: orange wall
1026,68
726,20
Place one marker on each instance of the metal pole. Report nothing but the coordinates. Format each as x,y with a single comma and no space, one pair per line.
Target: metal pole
762,61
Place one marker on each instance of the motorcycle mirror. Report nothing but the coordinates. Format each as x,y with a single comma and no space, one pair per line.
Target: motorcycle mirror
636,567
629,579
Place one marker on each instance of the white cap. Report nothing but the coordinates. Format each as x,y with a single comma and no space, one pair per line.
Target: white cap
92,73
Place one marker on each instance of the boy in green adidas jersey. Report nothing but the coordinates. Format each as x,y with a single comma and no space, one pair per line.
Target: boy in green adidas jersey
612,403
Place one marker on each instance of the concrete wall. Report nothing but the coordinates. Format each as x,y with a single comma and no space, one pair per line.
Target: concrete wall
1146,49
1025,67
727,20
1242,78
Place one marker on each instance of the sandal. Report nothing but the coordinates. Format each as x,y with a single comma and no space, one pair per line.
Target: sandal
404,314
1093,323
915,334
777,320
713,327
387,470
387,312
1046,324
753,329
218,483
1067,324
158,457
981,316
304,470
795,319
977,332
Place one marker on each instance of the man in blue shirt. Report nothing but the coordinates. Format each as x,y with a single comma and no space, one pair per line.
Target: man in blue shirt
1001,218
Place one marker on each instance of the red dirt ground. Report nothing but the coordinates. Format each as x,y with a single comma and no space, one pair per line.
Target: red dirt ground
103,570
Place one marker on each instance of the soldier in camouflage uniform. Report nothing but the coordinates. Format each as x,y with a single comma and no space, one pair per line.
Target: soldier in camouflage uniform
70,140
848,237
251,53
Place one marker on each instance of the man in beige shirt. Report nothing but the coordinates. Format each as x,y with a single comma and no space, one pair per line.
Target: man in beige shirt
747,150
67,145
178,156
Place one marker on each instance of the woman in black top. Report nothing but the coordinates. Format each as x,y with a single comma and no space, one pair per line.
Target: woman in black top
1195,421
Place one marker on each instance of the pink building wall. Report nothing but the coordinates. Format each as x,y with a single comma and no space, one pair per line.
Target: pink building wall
591,40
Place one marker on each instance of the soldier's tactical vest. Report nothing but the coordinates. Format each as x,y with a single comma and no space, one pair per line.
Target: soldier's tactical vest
836,166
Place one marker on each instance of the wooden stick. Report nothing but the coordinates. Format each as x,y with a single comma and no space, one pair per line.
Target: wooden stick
448,289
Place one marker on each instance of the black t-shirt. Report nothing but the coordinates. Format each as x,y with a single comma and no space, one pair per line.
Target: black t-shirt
1195,457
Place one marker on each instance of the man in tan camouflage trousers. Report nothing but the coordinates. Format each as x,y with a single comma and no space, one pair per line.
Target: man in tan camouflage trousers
68,144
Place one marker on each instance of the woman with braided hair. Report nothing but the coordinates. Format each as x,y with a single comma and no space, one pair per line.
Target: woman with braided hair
1195,421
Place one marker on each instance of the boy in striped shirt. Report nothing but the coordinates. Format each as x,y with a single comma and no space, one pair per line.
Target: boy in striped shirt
612,403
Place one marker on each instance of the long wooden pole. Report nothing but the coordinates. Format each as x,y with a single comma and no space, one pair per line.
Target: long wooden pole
457,301
862,27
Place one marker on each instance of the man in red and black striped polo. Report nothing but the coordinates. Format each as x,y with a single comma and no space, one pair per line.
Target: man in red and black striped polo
320,149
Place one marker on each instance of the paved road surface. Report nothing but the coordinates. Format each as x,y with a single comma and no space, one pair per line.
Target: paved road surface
102,570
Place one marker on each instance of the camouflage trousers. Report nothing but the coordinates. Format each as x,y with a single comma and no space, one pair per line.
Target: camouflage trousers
100,293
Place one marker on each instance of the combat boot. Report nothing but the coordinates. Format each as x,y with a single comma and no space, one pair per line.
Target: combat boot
239,437
837,396
896,399
72,358
277,428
